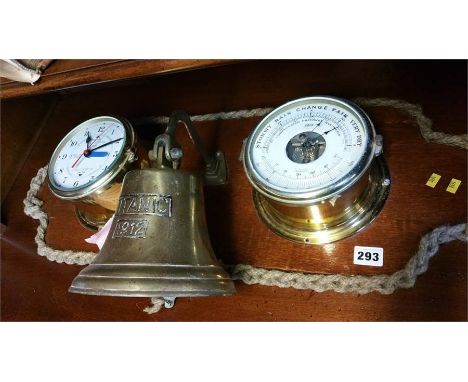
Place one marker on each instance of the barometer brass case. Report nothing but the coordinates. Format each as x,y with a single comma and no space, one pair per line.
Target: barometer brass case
321,215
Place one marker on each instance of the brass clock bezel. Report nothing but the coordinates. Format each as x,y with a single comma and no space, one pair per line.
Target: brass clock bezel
119,166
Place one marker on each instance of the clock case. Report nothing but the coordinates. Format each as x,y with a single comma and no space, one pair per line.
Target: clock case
95,203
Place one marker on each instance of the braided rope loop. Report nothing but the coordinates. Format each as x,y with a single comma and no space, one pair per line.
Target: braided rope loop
384,284
424,123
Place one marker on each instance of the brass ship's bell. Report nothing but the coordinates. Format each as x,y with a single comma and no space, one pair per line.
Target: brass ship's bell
158,244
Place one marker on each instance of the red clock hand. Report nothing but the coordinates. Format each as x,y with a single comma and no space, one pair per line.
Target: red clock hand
73,165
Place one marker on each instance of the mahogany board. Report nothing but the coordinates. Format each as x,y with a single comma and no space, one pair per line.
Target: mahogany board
36,289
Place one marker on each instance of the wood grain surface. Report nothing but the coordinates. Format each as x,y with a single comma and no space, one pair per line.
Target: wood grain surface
19,132
63,74
35,289
65,66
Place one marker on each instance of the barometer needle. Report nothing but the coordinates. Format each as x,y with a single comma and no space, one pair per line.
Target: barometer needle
326,132
317,125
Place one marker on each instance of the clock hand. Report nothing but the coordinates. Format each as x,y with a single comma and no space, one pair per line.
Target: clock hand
88,139
88,151
77,159
98,154
99,136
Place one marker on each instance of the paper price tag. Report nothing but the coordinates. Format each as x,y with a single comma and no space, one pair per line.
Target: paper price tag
453,185
433,180
372,256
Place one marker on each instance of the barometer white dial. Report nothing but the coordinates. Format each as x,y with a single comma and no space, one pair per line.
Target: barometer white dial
310,147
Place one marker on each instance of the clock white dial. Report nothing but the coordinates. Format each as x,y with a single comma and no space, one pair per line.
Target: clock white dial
87,153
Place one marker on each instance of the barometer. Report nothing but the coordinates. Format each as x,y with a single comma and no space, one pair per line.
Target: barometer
317,169
88,166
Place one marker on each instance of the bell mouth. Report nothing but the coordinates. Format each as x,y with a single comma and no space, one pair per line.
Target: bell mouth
153,280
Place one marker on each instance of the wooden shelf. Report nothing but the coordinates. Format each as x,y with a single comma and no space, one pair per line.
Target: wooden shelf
63,74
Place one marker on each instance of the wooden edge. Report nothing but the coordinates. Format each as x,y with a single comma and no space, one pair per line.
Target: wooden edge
64,66
118,70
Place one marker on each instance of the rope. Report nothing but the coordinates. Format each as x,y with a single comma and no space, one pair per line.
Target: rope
156,305
33,208
238,114
385,284
425,124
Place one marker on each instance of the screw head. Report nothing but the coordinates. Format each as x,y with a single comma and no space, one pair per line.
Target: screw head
176,153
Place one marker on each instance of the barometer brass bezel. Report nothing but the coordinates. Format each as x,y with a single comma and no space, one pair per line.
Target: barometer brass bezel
324,214
316,195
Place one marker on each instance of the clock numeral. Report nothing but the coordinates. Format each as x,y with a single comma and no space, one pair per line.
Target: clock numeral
73,143
101,129
63,156
75,184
